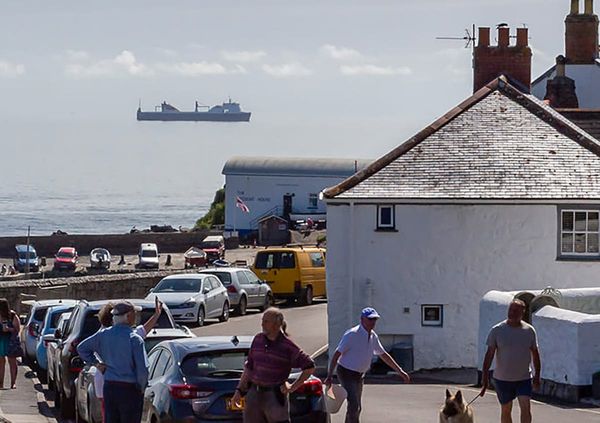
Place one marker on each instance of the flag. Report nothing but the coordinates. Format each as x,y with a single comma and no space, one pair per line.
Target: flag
241,205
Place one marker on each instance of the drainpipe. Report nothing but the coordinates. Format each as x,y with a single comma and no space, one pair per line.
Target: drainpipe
351,260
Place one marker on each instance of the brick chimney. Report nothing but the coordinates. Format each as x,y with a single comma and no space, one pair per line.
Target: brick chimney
489,62
581,38
560,91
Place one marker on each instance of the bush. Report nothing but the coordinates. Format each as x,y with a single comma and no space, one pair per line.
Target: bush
216,214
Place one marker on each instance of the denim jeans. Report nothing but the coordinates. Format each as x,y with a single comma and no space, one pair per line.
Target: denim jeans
352,382
123,402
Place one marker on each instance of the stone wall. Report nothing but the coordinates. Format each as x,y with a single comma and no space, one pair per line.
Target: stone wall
96,287
47,246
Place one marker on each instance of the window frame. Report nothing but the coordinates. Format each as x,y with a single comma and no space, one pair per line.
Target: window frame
392,225
576,209
432,323
313,201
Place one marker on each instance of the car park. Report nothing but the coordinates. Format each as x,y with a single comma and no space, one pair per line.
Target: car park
214,247
244,288
82,324
52,340
294,273
148,256
100,258
88,406
195,380
66,259
47,331
32,325
193,297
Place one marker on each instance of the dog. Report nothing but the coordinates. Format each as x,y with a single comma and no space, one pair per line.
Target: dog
455,410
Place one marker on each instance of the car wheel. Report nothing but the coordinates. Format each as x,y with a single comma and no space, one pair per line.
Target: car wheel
28,361
225,315
268,302
67,406
201,316
242,307
307,298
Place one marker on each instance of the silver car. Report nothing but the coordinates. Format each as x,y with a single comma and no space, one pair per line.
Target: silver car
193,297
244,288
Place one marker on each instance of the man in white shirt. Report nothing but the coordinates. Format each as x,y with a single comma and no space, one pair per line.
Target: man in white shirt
353,357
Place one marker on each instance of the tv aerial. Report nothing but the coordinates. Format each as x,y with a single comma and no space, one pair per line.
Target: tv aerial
469,38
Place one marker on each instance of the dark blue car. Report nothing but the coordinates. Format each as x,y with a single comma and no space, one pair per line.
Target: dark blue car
193,380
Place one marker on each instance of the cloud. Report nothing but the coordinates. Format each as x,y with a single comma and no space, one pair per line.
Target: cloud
199,68
11,70
286,70
77,55
243,56
341,53
123,63
374,70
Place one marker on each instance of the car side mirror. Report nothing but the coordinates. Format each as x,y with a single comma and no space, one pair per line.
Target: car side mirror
151,290
48,337
57,334
23,320
206,290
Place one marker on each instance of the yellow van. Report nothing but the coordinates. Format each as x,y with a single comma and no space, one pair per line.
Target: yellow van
293,272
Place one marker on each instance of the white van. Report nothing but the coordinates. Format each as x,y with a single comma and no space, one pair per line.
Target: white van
148,256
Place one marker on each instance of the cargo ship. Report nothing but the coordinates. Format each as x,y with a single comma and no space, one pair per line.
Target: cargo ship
226,112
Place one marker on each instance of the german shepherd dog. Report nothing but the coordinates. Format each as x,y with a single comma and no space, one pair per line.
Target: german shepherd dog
455,410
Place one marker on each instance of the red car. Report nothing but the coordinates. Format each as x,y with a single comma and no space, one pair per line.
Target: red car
66,259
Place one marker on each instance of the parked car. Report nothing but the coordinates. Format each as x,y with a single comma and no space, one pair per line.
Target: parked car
214,247
193,297
100,258
148,256
195,380
23,255
294,273
52,341
47,330
87,405
84,323
66,259
243,288
30,331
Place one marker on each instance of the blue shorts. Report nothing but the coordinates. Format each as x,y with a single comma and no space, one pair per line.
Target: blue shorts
508,391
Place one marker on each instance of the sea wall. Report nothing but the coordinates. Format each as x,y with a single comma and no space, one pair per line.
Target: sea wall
96,287
47,246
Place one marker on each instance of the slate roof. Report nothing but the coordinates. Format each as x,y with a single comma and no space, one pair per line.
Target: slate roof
499,144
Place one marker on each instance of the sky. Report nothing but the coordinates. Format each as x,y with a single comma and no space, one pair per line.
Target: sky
323,78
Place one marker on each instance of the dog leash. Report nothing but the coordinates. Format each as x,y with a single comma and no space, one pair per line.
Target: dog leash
473,400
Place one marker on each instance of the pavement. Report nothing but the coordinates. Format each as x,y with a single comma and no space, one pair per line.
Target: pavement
27,403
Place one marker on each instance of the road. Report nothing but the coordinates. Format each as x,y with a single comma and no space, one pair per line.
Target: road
306,325
421,403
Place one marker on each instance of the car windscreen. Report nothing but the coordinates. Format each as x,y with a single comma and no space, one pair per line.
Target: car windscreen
163,320
150,343
23,255
215,364
224,277
65,254
211,244
178,285
56,316
275,260
149,253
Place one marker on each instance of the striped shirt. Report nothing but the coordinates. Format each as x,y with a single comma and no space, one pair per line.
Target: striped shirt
270,362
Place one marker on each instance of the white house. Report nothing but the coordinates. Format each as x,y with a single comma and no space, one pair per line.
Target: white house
287,187
502,192
567,323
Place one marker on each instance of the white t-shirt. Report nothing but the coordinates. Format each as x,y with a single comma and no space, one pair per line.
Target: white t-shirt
358,348
99,376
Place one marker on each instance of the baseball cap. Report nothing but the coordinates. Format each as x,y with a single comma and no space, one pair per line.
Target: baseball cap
124,307
369,313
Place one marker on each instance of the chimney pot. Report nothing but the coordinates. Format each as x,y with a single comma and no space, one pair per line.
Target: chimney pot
560,65
574,7
522,35
503,37
589,7
484,37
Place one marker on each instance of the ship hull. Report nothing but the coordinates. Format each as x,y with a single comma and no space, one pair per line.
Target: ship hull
194,116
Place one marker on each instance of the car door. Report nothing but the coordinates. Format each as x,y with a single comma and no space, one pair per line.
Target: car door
157,391
250,284
149,392
218,294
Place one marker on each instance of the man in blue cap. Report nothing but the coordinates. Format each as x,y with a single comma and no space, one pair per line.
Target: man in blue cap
353,357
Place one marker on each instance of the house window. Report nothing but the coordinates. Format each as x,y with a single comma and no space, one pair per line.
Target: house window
385,217
579,233
312,201
432,315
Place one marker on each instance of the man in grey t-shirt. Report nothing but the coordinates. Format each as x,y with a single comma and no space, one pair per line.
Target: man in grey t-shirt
514,343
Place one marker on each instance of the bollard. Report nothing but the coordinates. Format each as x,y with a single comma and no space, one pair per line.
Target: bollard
168,262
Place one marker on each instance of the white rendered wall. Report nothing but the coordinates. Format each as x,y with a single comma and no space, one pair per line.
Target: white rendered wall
263,193
442,254
587,85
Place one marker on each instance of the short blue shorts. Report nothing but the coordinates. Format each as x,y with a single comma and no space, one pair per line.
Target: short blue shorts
508,391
